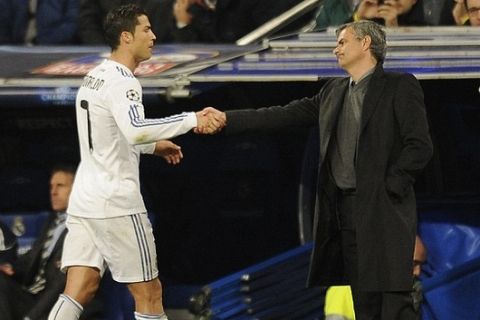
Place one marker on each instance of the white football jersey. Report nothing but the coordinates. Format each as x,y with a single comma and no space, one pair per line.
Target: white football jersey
112,132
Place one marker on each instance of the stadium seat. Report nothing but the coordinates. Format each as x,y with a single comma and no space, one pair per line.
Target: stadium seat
26,226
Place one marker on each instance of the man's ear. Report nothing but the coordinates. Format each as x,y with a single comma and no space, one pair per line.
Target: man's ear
126,37
367,42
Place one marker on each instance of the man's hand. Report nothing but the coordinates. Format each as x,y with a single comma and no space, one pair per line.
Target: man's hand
367,9
7,268
459,12
168,150
180,12
389,12
210,121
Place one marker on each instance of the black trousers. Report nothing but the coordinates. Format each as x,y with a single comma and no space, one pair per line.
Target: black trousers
368,305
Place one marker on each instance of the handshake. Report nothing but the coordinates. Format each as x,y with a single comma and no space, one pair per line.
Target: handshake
210,121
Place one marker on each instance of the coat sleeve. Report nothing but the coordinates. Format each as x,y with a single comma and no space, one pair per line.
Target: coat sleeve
303,112
417,148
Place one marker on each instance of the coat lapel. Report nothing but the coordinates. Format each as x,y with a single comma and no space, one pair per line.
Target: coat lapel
329,112
372,96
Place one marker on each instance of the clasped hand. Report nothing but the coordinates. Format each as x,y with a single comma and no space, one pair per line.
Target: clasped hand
210,121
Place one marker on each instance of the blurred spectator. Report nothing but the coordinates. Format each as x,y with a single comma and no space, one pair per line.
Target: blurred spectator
90,19
93,12
333,13
467,12
391,13
223,21
438,12
41,22
30,285
160,14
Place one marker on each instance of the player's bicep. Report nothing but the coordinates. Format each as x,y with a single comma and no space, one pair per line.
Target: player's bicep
127,110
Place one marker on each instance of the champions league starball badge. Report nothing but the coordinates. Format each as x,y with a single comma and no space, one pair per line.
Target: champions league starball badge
133,95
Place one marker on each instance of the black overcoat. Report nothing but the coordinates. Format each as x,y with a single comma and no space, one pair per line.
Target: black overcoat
393,146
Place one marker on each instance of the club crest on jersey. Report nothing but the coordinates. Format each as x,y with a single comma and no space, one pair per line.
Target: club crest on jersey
133,95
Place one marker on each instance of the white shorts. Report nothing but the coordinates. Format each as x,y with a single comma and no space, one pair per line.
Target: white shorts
125,244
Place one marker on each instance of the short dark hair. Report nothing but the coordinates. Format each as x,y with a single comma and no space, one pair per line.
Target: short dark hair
119,19
64,167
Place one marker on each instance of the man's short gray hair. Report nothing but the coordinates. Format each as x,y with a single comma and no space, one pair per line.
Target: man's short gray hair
372,29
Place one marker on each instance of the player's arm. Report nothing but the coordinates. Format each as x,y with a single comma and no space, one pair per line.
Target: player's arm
166,149
126,105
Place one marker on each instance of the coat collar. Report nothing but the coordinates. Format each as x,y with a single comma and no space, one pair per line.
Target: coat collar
329,112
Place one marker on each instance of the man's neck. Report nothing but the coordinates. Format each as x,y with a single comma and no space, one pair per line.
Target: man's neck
360,69
125,59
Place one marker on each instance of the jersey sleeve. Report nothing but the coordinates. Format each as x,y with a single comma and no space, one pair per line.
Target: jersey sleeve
125,99
147,148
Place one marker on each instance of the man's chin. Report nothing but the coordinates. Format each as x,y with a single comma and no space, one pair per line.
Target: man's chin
58,209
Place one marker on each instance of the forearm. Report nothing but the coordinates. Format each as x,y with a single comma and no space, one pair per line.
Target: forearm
138,130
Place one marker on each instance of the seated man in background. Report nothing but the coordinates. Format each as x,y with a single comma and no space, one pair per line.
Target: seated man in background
30,285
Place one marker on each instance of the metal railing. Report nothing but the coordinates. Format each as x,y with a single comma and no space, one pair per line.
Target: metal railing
278,22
